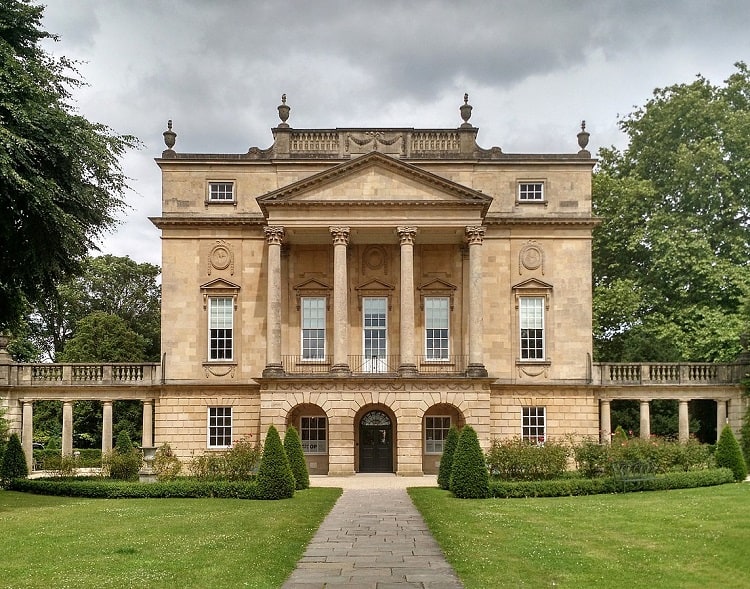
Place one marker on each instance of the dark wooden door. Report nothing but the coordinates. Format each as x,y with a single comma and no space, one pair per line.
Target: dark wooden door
375,443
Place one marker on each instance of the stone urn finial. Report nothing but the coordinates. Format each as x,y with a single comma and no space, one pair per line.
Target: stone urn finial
283,111
169,136
466,111
583,140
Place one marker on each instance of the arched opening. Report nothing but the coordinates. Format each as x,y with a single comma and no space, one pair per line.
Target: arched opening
312,424
437,420
376,439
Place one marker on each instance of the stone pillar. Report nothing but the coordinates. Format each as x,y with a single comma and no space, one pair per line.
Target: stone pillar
67,428
645,421
407,366
147,441
274,237
605,422
27,432
340,301
106,426
721,416
684,420
475,235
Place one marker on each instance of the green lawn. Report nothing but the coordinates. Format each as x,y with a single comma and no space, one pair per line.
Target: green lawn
148,543
689,538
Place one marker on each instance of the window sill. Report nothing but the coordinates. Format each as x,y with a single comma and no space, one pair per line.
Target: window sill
532,202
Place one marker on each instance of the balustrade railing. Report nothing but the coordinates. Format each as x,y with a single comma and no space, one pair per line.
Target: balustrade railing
85,374
656,373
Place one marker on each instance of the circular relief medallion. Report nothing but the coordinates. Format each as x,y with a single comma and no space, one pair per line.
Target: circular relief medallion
532,256
220,257
374,258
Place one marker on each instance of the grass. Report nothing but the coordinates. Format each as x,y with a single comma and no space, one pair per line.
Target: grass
79,543
687,538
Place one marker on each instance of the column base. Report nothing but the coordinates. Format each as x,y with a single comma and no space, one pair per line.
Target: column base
273,370
476,371
341,370
408,370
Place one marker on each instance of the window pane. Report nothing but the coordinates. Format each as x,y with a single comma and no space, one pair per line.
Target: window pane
219,427
533,191
533,424
374,335
220,319
437,310
313,435
436,430
221,191
531,311
313,328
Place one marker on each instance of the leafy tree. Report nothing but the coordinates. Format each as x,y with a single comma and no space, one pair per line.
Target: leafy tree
109,284
446,460
470,478
670,258
61,182
14,461
275,478
293,449
729,455
100,337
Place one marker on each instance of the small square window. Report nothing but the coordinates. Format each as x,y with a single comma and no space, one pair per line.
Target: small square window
221,192
531,191
534,424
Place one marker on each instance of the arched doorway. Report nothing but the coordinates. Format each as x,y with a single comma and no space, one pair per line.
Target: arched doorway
375,442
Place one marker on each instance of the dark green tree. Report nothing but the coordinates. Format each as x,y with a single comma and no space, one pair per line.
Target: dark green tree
275,479
470,478
446,460
100,337
293,449
728,454
14,462
61,183
670,258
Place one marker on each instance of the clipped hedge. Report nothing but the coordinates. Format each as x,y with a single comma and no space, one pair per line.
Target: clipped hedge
580,486
469,474
111,489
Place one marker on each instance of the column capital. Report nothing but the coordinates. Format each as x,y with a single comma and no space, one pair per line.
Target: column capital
340,235
475,234
274,234
406,235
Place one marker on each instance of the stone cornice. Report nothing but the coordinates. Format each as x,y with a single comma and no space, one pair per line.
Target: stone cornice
195,221
587,222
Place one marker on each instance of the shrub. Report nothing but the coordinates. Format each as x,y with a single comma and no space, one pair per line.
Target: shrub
522,460
241,460
446,460
745,431
591,458
14,461
469,476
124,443
210,466
166,465
293,449
124,461
728,454
275,479
620,437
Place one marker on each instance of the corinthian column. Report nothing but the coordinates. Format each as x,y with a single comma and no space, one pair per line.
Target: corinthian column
475,235
407,365
340,301
274,237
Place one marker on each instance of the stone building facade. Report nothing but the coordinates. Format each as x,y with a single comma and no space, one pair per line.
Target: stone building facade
373,287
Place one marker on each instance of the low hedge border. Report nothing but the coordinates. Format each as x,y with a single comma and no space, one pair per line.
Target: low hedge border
572,487
107,489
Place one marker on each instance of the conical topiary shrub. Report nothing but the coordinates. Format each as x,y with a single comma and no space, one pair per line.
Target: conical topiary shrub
729,455
446,460
14,461
275,478
469,476
293,449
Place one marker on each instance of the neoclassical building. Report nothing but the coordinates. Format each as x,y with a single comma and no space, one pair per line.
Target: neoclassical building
373,287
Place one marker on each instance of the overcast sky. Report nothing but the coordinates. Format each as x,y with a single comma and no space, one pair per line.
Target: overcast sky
533,70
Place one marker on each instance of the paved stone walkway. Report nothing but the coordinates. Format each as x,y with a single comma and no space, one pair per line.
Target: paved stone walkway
373,539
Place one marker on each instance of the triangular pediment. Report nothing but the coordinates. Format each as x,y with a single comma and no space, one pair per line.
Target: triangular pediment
374,179
532,284
219,284
437,285
375,284
312,284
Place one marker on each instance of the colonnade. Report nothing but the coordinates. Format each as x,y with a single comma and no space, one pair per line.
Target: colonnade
340,238
27,427
605,419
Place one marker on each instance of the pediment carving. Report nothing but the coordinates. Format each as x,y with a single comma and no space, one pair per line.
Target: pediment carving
313,288
374,288
436,288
